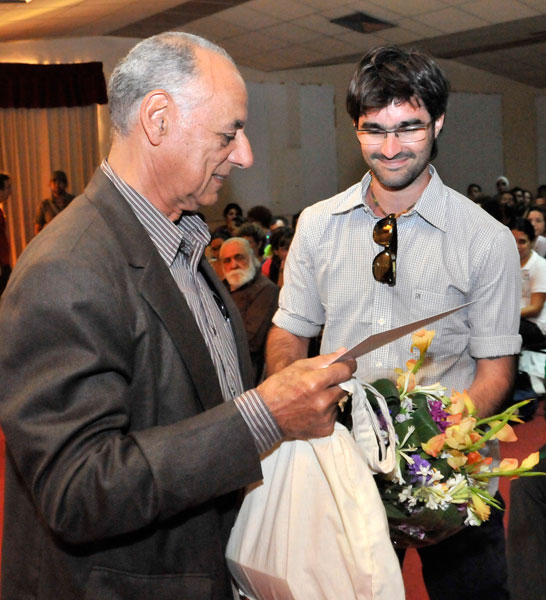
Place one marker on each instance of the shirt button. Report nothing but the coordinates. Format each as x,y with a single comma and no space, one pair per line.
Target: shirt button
381,321
378,364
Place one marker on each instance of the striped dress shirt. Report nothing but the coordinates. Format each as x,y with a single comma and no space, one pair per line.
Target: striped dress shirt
181,246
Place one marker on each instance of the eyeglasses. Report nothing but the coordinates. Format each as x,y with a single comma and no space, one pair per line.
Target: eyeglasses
407,135
384,264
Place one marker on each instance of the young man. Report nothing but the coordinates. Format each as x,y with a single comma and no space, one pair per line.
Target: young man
124,362
399,246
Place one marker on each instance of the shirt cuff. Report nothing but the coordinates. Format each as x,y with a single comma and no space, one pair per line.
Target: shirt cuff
260,421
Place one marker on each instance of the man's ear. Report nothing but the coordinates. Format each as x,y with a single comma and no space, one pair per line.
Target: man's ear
438,124
154,115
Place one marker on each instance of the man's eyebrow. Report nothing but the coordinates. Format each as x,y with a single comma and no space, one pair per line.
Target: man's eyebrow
407,123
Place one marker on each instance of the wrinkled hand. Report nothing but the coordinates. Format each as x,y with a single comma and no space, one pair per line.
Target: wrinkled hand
303,397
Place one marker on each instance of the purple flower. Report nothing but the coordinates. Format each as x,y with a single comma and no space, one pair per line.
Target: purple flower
438,414
420,470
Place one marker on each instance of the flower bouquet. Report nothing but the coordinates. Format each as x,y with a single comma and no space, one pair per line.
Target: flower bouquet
440,481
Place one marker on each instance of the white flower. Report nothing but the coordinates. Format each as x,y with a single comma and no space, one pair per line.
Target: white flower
471,518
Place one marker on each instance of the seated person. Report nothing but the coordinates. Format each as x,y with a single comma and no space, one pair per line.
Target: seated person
213,252
537,216
273,267
255,236
254,294
533,285
231,212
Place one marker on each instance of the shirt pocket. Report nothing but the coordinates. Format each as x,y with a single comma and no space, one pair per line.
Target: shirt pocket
452,332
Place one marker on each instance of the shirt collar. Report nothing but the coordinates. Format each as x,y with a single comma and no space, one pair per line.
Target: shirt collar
431,205
189,236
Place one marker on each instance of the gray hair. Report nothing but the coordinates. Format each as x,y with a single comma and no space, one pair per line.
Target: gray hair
247,247
165,61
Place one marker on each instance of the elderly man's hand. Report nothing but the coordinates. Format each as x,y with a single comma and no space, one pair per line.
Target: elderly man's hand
303,397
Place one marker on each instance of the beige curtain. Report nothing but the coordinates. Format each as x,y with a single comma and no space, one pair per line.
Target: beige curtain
34,142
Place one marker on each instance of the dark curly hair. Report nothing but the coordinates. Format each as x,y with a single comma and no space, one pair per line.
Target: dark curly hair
391,74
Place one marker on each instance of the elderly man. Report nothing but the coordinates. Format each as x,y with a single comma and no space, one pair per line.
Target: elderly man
49,208
255,295
124,361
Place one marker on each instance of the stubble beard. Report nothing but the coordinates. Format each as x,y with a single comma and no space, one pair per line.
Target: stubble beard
403,179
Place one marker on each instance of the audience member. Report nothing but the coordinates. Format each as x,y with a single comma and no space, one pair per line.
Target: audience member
537,217
255,236
231,212
295,218
527,198
49,208
517,192
216,241
5,263
273,267
532,326
526,541
254,294
277,222
502,184
260,215
124,360
474,192
508,207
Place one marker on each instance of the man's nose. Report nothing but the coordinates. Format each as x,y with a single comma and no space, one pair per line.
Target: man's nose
391,145
241,156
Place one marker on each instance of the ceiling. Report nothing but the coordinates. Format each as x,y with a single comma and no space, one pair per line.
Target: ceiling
505,37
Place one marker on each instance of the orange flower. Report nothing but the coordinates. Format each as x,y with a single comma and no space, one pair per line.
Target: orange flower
421,340
507,464
460,436
461,403
530,461
506,434
456,459
434,446
401,380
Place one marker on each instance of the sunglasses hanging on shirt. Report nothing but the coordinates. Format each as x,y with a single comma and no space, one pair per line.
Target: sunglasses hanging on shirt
384,264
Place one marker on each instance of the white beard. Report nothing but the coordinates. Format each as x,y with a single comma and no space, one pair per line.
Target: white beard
239,277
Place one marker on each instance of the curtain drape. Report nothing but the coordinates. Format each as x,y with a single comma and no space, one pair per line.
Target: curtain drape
48,121
34,142
50,86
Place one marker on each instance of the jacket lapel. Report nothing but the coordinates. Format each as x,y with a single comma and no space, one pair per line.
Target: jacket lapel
158,287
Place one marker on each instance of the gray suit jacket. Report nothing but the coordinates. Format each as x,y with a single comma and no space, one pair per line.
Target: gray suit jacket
123,459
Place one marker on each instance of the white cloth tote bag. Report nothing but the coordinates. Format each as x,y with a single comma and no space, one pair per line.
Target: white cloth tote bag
315,527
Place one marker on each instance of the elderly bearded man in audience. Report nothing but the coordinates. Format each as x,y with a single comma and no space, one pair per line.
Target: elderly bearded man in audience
124,361
255,295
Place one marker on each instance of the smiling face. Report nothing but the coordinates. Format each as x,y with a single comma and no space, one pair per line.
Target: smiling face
202,146
395,164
